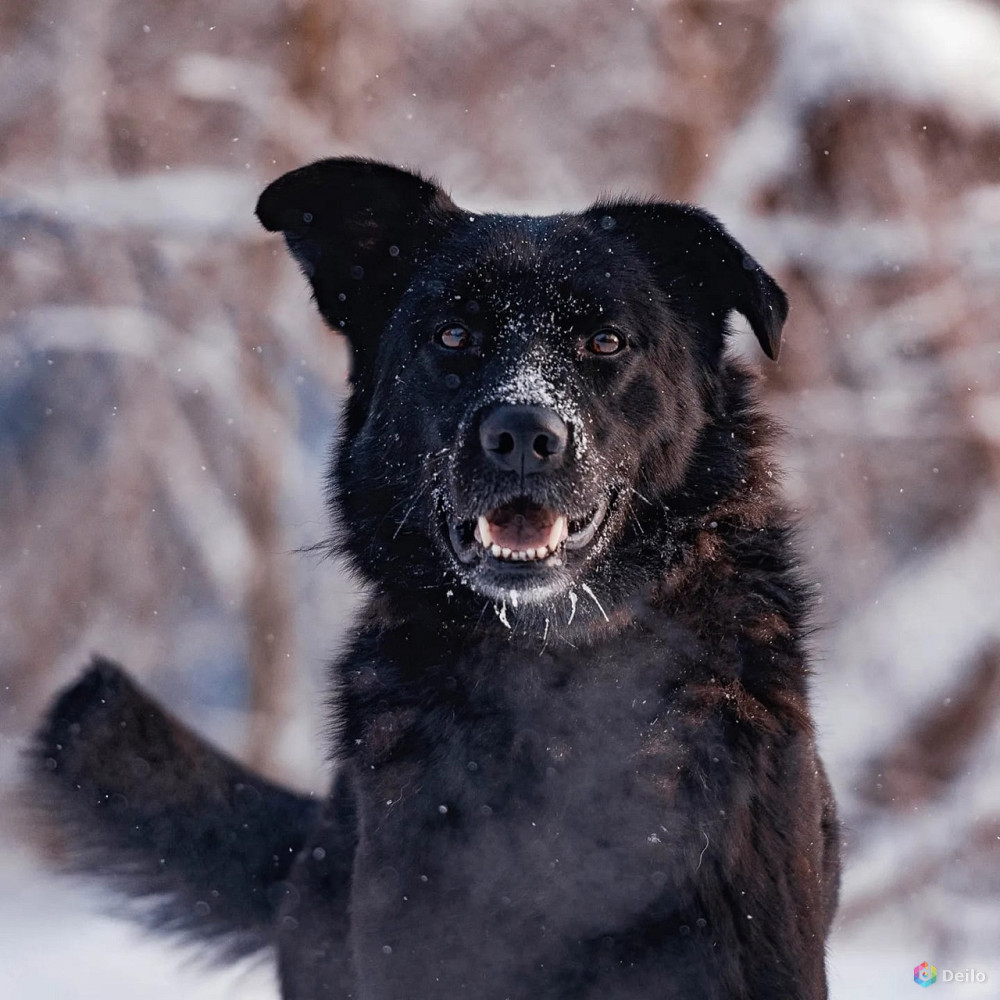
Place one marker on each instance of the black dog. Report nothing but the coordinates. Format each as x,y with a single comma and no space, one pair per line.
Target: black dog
574,745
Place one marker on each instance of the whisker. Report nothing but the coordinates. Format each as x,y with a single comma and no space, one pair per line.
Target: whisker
645,500
593,597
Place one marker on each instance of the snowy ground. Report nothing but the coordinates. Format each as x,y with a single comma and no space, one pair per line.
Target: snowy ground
55,945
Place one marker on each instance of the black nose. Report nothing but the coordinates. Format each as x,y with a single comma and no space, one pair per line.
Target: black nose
524,438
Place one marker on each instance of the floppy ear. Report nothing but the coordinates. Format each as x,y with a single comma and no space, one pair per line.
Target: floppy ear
356,227
696,258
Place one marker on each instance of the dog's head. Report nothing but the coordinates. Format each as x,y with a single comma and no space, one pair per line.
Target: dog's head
527,392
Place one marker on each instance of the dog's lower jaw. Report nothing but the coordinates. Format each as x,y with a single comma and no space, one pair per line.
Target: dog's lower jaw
516,596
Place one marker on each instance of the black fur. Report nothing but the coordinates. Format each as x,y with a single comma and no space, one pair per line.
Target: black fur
588,776
199,842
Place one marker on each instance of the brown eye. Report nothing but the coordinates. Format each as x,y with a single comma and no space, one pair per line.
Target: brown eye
454,337
605,342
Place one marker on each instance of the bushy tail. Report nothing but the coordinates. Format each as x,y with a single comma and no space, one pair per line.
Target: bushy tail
200,845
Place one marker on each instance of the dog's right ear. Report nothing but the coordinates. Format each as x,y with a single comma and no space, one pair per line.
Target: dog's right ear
357,228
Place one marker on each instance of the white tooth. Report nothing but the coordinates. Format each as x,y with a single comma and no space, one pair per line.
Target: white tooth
529,554
495,550
483,532
519,556
558,533
506,553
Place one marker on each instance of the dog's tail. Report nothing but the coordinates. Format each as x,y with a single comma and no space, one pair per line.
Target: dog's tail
199,845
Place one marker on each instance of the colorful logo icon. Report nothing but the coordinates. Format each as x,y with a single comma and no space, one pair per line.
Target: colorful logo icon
925,974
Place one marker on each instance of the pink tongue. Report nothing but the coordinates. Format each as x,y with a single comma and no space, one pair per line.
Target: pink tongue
527,529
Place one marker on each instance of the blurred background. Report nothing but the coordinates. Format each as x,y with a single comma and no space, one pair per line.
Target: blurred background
168,397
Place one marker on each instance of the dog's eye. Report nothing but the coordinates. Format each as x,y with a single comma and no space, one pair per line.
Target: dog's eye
606,342
454,337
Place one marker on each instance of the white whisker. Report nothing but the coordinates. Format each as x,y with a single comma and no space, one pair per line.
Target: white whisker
705,848
593,597
501,612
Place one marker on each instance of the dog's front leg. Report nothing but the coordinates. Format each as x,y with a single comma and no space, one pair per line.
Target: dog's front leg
314,956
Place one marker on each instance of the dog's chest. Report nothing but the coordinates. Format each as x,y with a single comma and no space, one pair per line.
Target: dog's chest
520,804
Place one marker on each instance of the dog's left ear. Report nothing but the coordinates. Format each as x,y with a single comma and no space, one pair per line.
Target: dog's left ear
356,227
695,258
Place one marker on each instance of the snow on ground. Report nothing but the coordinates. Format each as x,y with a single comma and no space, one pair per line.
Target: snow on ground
867,971
55,945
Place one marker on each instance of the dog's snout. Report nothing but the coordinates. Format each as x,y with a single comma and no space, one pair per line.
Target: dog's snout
524,438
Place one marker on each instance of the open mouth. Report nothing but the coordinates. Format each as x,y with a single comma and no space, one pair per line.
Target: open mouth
524,532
